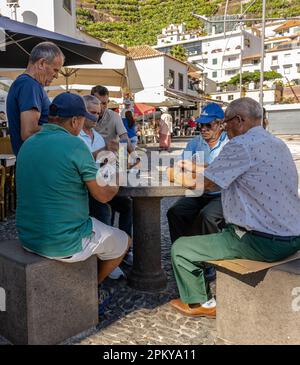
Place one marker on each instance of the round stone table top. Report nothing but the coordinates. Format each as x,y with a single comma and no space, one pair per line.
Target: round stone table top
147,186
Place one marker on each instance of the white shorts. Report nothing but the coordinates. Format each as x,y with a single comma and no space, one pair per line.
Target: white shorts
106,242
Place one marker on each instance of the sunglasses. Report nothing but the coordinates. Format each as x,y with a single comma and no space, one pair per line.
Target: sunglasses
206,125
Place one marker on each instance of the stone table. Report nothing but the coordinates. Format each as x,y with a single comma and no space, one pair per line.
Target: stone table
147,273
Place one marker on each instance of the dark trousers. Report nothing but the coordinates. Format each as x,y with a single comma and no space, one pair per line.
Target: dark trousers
105,212
122,205
101,211
192,216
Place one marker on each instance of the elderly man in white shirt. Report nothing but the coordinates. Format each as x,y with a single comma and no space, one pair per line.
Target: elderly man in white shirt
103,211
259,185
88,134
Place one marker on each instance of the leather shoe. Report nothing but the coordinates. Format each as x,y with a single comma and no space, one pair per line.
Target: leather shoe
193,312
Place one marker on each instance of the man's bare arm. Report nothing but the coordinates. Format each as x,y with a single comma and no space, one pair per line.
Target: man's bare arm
29,123
191,180
103,194
95,154
123,137
210,186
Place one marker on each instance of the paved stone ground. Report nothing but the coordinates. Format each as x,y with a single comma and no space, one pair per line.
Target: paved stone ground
143,318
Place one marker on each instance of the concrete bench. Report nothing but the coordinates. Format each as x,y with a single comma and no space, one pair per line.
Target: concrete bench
261,307
45,301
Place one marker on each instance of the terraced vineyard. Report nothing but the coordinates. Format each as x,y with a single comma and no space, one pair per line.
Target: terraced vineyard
134,22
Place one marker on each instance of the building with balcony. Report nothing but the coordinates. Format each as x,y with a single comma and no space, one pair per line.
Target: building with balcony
219,55
166,81
288,28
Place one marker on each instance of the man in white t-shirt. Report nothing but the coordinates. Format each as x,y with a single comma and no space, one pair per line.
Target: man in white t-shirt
96,144
111,128
88,134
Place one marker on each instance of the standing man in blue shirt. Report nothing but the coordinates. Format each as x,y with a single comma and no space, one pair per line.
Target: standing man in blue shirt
27,101
201,215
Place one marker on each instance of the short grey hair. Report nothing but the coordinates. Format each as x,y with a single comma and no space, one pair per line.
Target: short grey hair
246,107
90,99
47,50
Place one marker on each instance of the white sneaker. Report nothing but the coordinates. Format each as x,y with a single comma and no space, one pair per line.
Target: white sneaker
116,274
209,304
128,259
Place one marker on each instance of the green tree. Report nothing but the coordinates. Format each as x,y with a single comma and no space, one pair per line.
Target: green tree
179,52
254,76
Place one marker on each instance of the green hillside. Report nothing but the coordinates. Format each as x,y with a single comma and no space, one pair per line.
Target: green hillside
135,22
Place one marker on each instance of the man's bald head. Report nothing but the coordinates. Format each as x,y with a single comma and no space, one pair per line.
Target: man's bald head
241,115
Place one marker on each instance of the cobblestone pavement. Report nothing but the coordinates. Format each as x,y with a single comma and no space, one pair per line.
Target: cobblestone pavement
136,317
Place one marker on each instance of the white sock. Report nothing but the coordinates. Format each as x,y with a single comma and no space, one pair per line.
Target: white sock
209,304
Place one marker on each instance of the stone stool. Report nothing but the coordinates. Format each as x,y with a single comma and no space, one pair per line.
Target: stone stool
259,308
46,301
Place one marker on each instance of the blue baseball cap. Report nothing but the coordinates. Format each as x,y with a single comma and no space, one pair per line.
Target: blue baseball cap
67,105
210,113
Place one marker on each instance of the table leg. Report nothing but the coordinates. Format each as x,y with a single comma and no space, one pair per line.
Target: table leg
147,273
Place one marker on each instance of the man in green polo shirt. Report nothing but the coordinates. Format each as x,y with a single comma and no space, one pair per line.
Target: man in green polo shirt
55,171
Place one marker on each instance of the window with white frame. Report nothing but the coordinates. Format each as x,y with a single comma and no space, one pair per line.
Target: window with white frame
274,60
231,72
67,4
230,97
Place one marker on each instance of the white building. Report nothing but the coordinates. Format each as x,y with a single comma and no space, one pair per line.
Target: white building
282,55
282,51
175,33
288,28
166,81
222,57
229,96
55,15
219,56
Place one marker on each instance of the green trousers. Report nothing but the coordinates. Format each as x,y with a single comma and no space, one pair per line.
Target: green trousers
190,253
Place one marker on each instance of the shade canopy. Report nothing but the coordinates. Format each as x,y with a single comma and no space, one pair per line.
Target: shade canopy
143,109
52,91
19,39
112,72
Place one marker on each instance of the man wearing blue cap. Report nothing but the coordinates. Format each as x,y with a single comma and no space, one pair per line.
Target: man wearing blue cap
201,215
55,171
258,180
